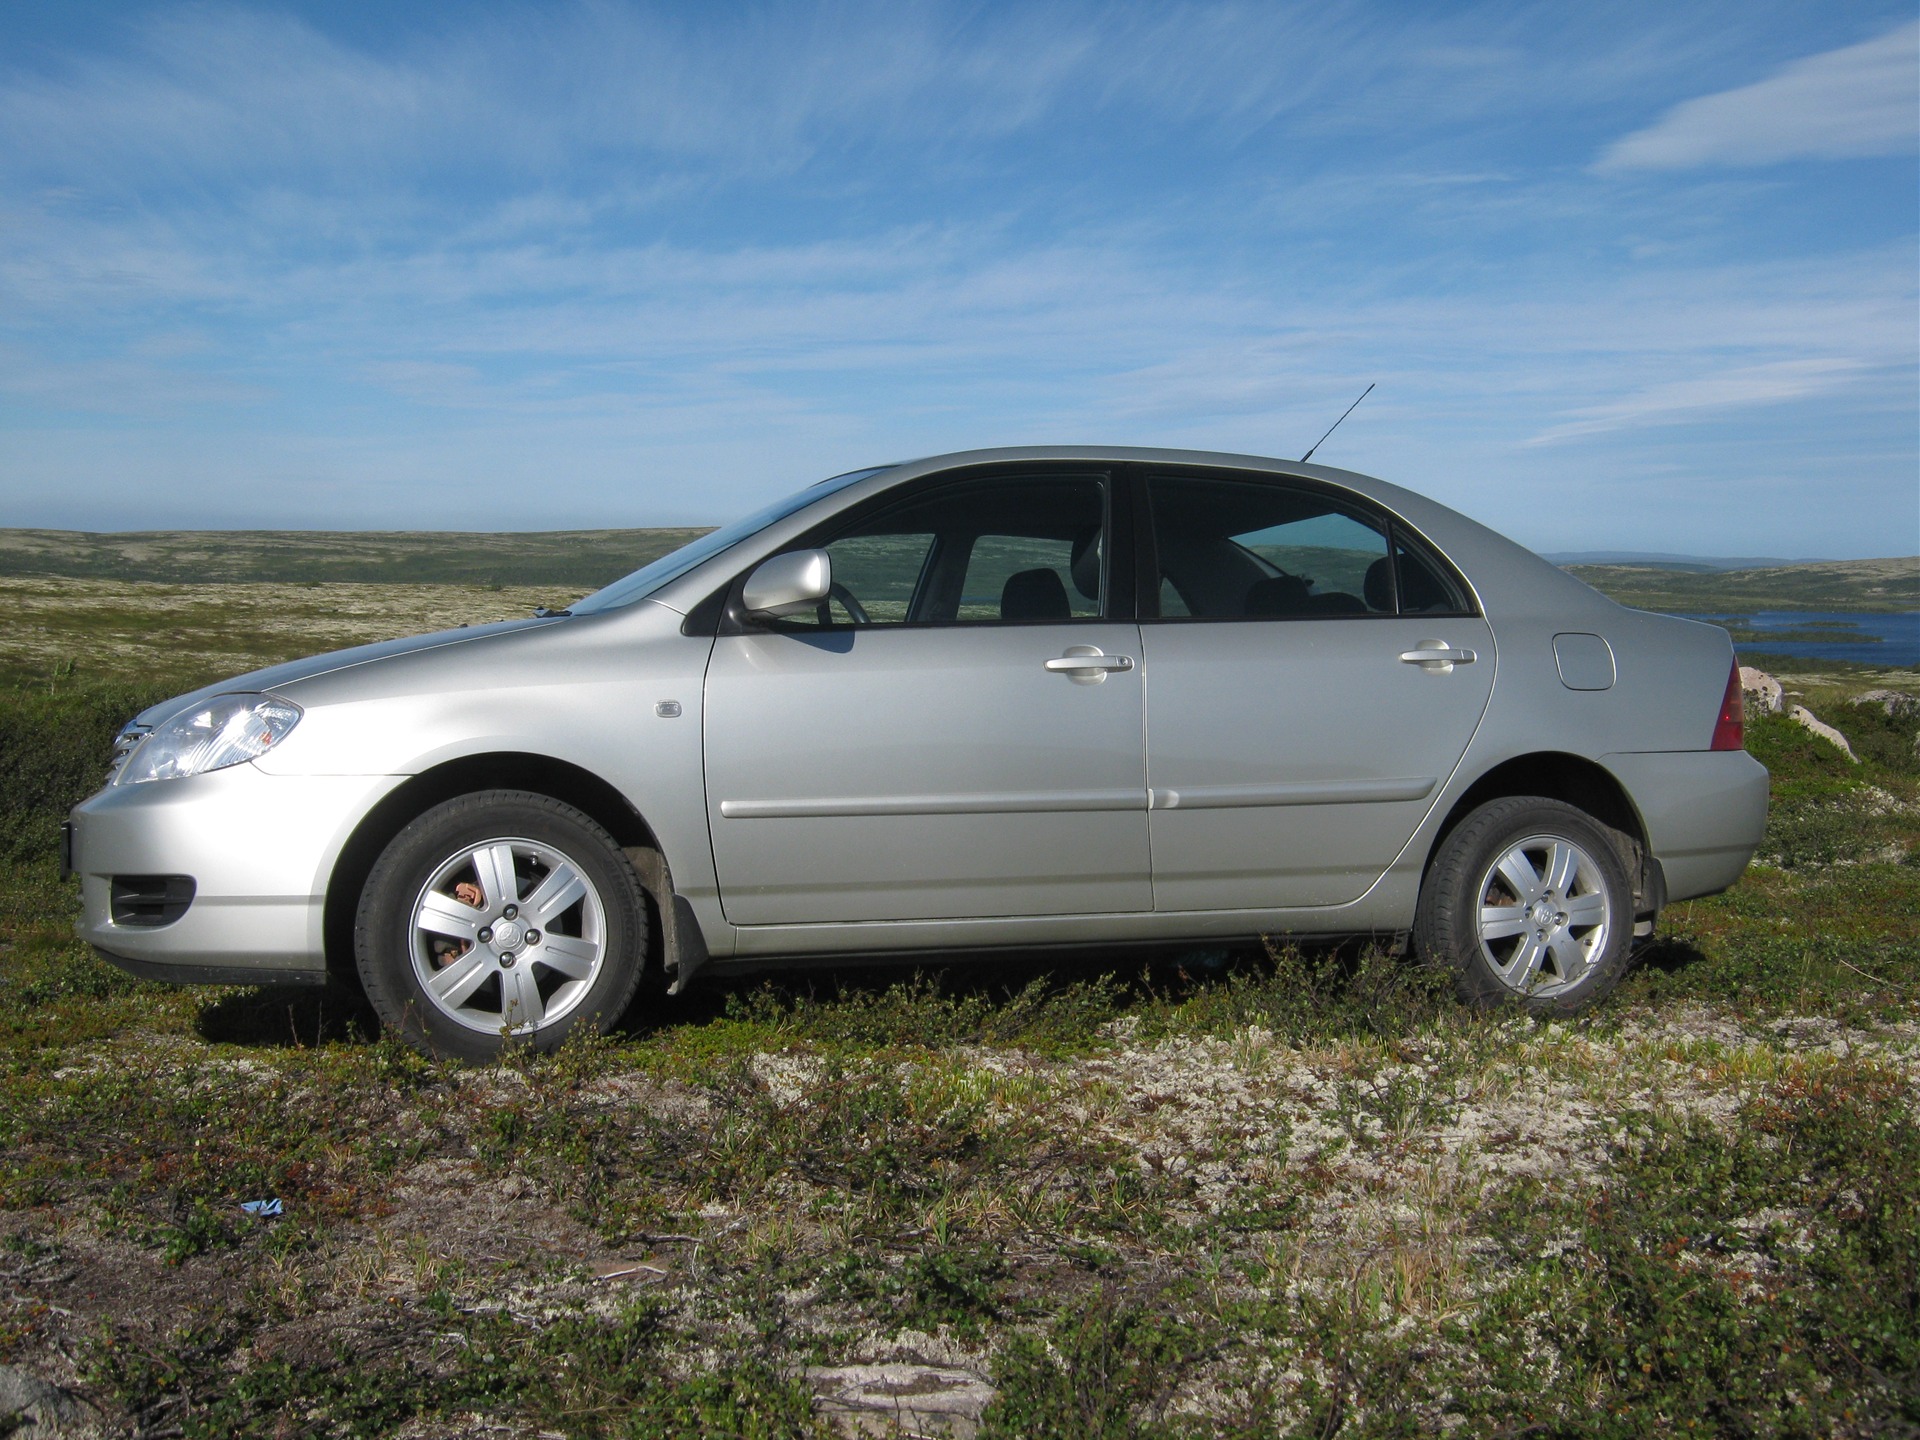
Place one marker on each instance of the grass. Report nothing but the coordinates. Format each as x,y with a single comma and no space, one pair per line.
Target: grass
1267,1194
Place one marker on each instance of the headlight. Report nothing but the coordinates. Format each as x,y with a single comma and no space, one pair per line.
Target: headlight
226,730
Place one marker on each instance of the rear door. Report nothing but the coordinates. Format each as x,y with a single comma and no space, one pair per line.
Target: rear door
1296,738
958,734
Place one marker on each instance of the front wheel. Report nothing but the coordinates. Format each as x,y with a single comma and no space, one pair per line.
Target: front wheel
1528,902
500,917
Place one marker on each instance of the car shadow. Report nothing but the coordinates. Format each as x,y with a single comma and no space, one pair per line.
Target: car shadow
1125,979
1669,956
289,1017
299,1017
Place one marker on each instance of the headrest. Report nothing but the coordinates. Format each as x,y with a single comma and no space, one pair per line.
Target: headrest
1034,595
1378,587
1277,595
1085,566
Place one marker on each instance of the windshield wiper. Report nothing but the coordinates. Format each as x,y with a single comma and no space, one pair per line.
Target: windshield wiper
541,612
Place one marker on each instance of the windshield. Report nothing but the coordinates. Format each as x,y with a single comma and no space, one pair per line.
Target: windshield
649,578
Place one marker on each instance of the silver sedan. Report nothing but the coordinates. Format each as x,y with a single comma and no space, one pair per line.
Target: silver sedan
988,701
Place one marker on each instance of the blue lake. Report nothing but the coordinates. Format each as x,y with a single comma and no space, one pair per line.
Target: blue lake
1896,637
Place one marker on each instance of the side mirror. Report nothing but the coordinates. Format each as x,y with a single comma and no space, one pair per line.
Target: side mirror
789,584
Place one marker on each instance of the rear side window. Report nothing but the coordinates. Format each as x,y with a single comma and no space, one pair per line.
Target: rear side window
1427,587
1243,550
1233,549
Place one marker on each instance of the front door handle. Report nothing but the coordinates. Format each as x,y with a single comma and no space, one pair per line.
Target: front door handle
1088,664
1437,657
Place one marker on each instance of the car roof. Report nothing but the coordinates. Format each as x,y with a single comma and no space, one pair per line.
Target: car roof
1111,454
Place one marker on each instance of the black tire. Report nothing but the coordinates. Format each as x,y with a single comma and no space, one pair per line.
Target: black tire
1574,941
522,985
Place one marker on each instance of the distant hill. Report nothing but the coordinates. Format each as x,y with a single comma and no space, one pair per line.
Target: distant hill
1872,585
1660,560
580,560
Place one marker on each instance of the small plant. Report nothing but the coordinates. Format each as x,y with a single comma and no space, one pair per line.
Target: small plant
954,1285
1106,1370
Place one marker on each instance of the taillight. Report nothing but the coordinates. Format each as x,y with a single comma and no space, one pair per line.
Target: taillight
1729,729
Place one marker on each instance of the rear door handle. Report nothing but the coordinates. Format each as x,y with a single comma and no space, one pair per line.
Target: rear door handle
1437,657
1088,664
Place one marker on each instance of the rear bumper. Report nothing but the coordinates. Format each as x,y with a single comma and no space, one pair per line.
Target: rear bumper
1705,812
258,849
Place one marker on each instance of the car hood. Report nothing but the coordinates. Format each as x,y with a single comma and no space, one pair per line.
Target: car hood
279,677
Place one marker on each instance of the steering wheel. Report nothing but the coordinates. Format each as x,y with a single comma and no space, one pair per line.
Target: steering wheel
856,612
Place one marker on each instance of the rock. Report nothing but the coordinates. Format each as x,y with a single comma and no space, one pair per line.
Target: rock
1762,691
1826,732
1897,703
32,1409
901,1399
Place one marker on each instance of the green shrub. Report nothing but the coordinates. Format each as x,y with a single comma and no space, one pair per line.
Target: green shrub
1891,741
54,751
1760,1282
1106,1369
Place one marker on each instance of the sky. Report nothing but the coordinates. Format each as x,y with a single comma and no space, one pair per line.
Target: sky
1632,276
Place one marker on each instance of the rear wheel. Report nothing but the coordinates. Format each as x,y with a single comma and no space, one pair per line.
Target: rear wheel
1528,902
500,917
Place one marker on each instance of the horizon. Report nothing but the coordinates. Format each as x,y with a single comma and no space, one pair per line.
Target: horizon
1558,557
1642,281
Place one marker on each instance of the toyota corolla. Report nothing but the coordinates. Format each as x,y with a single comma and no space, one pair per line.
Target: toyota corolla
994,701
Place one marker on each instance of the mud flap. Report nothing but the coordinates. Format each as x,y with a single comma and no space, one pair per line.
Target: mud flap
683,946
1649,896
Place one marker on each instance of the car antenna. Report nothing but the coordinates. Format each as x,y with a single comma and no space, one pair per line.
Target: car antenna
1336,424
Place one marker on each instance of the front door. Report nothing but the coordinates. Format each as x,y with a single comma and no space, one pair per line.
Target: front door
910,753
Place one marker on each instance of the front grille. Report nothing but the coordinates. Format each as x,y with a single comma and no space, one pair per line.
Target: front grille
131,734
150,900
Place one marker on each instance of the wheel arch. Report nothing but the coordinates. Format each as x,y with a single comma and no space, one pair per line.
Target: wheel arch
1573,780
510,770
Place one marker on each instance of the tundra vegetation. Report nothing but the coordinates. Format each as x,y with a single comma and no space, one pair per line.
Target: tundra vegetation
1262,1193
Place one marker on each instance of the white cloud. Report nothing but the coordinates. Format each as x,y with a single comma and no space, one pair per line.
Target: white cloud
1683,400
1860,100
221,95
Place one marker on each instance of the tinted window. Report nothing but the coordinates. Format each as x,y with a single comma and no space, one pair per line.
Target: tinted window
1043,565
880,571
985,551
1237,549
1426,586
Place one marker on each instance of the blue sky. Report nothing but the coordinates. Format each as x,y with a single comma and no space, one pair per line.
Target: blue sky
1636,276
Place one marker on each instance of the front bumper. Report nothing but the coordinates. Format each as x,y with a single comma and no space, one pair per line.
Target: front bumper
259,849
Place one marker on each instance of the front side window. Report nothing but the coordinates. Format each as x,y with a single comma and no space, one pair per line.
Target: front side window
1240,549
1029,577
992,551
881,572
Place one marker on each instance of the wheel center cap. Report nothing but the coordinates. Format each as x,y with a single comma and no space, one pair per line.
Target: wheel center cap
1542,914
506,934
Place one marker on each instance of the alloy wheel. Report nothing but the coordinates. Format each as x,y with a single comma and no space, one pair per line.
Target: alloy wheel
507,935
1543,915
